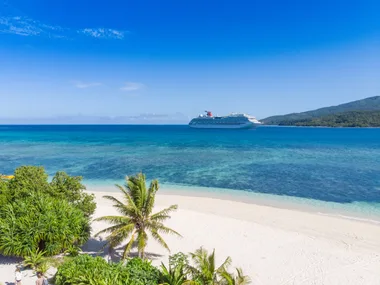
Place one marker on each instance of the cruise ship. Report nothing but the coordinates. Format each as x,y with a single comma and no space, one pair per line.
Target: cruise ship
232,121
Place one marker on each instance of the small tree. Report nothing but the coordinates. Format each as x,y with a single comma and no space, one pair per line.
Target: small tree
40,223
36,215
137,218
205,271
70,188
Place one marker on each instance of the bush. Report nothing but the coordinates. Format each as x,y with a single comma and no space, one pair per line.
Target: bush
179,260
39,223
34,259
177,272
73,251
71,189
4,193
36,215
30,180
85,269
142,272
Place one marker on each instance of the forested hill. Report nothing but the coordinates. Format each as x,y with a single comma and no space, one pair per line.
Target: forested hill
368,104
345,119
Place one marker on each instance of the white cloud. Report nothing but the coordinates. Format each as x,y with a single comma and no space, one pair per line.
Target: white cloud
20,26
132,86
104,33
24,26
82,85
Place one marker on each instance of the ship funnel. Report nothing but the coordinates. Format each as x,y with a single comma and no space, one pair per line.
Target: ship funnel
209,114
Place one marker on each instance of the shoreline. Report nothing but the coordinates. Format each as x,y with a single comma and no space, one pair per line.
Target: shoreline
352,211
272,245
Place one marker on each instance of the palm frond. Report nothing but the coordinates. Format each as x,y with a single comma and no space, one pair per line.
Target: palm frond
113,199
211,262
225,264
129,245
151,195
121,188
129,200
164,214
114,219
159,239
161,228
227,277
242,279
118,235
110,229
137,189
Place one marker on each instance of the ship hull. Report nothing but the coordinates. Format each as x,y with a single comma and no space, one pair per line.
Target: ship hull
215,126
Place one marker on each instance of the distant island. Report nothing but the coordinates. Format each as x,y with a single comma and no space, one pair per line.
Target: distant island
360,113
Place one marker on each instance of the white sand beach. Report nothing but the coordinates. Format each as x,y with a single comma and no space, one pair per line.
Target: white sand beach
274,246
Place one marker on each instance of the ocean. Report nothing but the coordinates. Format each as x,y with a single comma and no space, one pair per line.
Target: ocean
328,167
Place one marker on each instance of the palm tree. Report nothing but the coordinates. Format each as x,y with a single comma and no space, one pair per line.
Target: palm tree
205,271
137,218
174,276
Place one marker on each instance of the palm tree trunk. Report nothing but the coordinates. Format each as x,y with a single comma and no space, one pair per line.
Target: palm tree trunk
142,254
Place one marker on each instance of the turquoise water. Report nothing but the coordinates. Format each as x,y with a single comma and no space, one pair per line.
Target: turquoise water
327,165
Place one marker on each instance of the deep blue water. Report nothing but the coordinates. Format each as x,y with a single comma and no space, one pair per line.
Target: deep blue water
339,165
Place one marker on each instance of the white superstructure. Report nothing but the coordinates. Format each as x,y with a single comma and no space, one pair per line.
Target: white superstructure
232,121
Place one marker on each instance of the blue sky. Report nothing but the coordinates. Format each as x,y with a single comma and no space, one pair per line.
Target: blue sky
127,58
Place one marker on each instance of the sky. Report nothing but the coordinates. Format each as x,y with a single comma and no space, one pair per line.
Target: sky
175,59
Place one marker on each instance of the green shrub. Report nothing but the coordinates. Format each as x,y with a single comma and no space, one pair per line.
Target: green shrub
71,189
179,260
41,223
27,181
4,192
73,250
85,269
30,180
34,259
177,271
142,272
36,215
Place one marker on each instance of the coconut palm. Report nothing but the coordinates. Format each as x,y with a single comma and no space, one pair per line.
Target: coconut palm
205,270
136,218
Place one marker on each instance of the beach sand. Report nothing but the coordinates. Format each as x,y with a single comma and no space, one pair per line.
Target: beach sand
272,245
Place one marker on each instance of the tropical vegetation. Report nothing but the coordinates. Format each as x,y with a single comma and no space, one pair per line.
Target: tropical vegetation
38,217
41,218
85,269
206,272
137,220
200,270
360,113
346,119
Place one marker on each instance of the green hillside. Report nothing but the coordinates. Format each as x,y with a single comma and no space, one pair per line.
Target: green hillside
368,104
345,119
